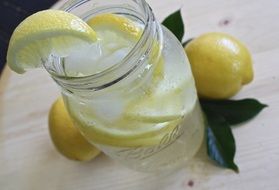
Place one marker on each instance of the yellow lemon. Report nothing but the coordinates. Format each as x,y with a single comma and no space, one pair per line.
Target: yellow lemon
66,137
220,64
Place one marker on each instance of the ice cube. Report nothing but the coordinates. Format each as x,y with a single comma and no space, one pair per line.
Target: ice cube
82,60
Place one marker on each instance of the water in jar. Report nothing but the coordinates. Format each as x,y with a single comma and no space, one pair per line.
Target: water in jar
151,119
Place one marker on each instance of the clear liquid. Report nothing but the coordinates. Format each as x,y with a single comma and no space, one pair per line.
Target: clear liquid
154,126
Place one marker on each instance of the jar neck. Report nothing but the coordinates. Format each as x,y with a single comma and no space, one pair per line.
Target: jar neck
141,59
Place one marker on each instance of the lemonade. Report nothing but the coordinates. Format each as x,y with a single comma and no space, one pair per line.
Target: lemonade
156,125
149,121
129,89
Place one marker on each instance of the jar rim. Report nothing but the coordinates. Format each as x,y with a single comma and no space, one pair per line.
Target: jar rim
149,21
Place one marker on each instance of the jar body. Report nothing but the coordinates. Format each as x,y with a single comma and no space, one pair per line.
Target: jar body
151,120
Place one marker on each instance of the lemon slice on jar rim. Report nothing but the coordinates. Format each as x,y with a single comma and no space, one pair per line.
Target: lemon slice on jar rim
45,33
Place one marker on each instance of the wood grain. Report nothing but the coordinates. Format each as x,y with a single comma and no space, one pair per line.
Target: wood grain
29,161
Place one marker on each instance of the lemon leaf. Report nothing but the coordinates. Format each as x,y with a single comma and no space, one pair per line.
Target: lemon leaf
234,111
220,141
220,115
174,23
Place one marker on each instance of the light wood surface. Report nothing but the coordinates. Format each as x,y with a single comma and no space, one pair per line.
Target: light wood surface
28,160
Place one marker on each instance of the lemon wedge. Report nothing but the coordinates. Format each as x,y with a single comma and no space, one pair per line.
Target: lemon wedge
44,33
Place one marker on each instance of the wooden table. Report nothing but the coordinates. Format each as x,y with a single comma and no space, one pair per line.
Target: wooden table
29,161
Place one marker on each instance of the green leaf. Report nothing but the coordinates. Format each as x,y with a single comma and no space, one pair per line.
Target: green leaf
234,111
174,23
220,141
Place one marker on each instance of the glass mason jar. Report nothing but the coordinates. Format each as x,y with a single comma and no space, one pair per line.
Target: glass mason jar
143,110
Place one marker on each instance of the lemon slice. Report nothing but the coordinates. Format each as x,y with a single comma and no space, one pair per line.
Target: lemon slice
44,33
115,139
117,36
168,100
159,108
115,32
111,22
124,133
152,110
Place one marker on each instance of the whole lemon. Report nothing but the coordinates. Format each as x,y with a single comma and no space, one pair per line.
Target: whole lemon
66,137
220,64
